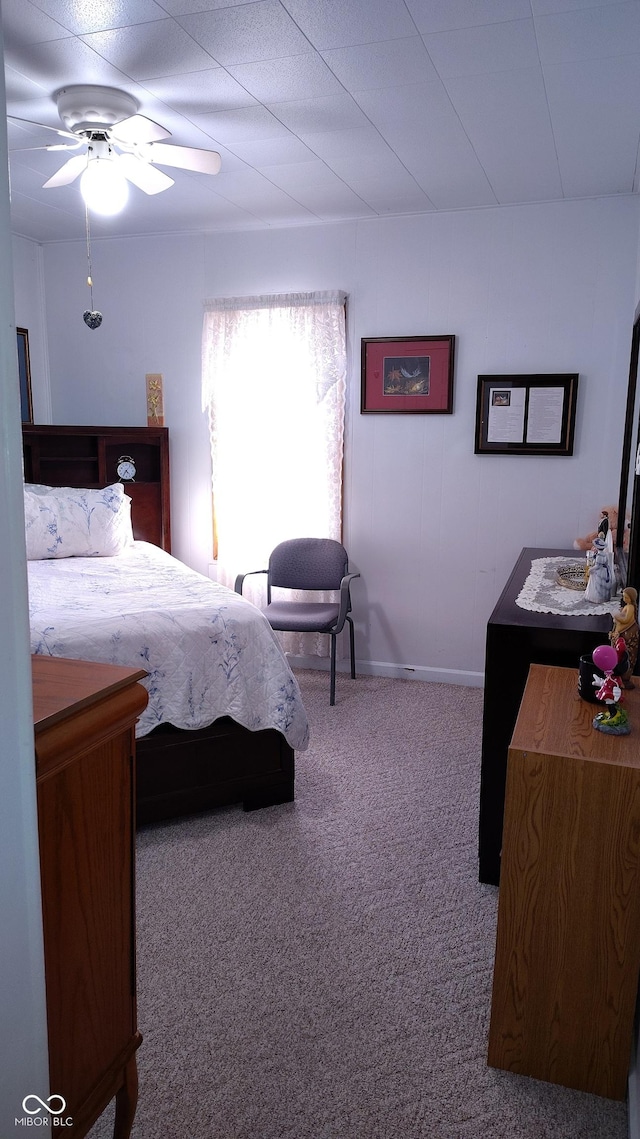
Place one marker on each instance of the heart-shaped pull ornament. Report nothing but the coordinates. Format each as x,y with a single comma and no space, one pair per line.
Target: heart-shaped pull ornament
91,317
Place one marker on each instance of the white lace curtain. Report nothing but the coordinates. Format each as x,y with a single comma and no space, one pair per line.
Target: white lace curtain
273,382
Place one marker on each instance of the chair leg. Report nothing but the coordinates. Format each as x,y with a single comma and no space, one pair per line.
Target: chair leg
352,648
332,688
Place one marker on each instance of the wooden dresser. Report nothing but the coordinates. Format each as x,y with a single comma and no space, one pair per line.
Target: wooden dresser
568,941
84,719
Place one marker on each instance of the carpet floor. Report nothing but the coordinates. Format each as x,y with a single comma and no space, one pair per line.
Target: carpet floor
322,969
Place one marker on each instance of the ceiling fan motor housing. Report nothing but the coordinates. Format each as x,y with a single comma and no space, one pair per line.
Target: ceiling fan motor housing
87,108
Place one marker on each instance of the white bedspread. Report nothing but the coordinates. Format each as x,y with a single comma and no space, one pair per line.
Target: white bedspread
208,652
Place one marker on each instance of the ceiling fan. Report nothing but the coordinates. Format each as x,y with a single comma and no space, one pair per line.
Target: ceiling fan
118,146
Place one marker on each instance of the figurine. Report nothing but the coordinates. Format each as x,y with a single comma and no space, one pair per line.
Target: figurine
600,582
614,720
625,628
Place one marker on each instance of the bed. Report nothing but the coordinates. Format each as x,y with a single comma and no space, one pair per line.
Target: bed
225,715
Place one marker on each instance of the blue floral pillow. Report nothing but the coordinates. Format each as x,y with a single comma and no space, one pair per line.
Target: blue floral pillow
62,522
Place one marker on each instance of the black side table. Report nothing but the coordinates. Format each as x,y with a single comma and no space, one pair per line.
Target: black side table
517,638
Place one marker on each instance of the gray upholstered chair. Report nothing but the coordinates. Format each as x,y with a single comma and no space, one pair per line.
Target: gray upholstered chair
310,564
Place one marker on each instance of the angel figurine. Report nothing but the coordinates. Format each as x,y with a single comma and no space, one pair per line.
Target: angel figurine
625,628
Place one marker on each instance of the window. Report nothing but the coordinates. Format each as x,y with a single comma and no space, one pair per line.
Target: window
274,371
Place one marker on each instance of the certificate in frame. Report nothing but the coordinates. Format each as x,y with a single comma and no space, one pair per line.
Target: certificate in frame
526,415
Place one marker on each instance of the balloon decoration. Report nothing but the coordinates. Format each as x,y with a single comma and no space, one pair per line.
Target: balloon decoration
605,657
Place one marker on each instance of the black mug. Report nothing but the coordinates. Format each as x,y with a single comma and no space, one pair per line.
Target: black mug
586,675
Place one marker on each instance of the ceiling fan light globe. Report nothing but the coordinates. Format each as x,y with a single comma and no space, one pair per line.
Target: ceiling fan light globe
103,187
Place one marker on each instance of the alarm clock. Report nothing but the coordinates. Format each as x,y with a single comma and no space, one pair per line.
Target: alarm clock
126,468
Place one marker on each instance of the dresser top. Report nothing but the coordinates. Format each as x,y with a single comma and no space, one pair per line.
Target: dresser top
554,720
61,686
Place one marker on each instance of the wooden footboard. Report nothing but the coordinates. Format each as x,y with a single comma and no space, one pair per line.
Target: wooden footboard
182,772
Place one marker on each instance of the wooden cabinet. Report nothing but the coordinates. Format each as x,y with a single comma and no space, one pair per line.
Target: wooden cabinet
84,718
517,638
88,456
568,940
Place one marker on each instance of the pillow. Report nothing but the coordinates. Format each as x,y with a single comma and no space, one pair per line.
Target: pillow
65,522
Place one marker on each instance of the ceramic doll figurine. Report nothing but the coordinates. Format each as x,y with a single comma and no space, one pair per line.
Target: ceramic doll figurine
600,583
625,628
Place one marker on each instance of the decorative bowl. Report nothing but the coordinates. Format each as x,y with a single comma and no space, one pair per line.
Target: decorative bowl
573,577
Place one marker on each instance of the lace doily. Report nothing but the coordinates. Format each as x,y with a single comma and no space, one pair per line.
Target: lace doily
542,594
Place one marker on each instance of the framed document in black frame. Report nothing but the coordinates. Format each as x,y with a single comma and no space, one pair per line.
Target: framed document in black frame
526,415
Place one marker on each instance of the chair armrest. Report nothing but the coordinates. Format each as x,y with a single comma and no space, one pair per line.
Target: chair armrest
241,576
345,599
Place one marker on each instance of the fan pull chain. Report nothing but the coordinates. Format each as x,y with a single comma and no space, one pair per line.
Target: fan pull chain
92,318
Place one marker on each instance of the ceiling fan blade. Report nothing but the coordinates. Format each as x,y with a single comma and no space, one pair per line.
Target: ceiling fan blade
186,157
144,176
50,146
42,126
138,128
67,173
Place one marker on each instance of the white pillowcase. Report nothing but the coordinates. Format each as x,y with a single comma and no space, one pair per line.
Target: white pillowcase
66,522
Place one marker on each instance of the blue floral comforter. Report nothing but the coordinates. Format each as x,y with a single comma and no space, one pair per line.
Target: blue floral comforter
207,651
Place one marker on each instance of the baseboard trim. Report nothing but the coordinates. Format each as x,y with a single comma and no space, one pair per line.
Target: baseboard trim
465,679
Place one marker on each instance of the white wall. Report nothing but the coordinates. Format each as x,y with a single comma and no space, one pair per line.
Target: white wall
30,308
433,528
23,1039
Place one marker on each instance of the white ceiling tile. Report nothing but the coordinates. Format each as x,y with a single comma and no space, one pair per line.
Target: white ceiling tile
302,177
375,174
61,62
273,151
422,128
146,51
30,219
444,15
507,117
356,144
331,112
257,194
279,80
545,7
19,87
596,124
492,47
197,200
319,190
186,7
392,63
397,196
200,92
589,33
334,23
23,23
97,15
247,33
243,125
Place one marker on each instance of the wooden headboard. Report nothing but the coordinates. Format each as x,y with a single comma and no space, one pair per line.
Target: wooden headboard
87,457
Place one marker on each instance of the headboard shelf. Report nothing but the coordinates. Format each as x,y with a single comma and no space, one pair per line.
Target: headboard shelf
87,457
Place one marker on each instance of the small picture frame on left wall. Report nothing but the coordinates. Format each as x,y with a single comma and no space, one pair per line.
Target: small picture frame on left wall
24,372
